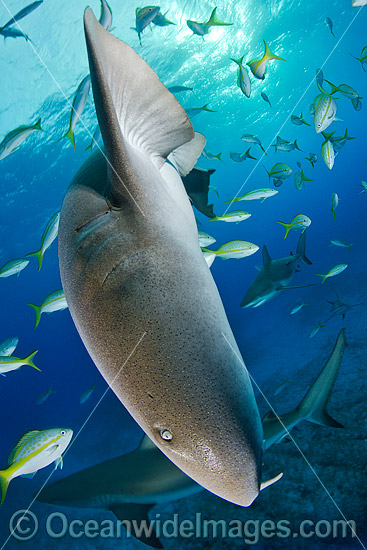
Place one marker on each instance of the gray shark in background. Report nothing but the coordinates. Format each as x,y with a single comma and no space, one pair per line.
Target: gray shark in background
313,406
340,307
130,485
130,263
275,276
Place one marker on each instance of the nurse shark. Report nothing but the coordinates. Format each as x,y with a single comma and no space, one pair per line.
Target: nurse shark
130,485
275,276
130,265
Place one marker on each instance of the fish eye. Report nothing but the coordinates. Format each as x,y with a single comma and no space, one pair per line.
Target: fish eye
63,432
166,435
319,125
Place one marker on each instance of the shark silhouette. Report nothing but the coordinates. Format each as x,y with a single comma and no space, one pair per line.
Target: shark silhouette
275,275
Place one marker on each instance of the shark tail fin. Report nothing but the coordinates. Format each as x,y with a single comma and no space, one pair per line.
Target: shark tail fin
313,405
214,19
287,227
153,123
301,249
37,311
4,484
39,255
269,55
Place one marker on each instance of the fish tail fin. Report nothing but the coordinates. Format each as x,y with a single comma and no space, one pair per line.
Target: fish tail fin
29,360
333,213
238,61
267,171
263,150
334,88
4,484
313,405
213,20
287,227
39,255
301,249
89,148
306,179
248,155
324,277
303,120
206,108
296,145
37,125
70,135
218,156
269,55
37,311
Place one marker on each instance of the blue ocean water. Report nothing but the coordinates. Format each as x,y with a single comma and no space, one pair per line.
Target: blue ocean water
39,79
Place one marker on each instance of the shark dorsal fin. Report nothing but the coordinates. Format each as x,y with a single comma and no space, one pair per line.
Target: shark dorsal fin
136,513
266,256
146,443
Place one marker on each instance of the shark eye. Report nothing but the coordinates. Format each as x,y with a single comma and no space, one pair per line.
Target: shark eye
166,435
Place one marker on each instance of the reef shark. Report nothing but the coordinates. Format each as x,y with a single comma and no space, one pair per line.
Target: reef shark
313,405
275,276
132,484
137,284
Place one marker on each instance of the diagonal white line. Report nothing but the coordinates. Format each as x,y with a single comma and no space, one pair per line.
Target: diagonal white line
292,111
76,437
71,105
295,443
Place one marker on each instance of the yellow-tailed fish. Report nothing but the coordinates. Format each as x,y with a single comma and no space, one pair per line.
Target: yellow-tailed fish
55,301
143,18
34,451
205,239
203,28
209,156
249,138
333,272
8,346
87,394
13,267
334,203
236,250
243,79
236,216
10,363
297,308
96,138
362,58
299,222
258,66
14,138
299,179
359,3
48,237
299,120
338,242
194,111
325,110
315,330
106,15
161,20
363,185
79,101
280,170
329,23
44,396
327,151
257,194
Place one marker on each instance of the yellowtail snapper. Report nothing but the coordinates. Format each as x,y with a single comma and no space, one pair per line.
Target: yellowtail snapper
79,101
333,272
15,138
258,65
203,28
48,237
13,267
243,79
55,301
299,222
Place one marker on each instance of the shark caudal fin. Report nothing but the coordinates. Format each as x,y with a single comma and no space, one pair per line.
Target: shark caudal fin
269,55
313,405
301,249
134,126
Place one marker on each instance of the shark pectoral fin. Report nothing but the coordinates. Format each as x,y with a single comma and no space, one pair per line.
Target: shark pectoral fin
29,476
185,156
323,419
133,124
146,443
269,482
135,519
